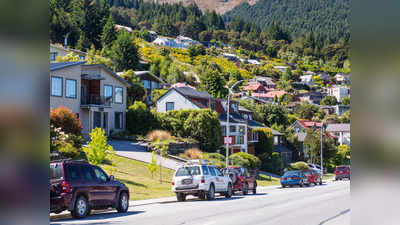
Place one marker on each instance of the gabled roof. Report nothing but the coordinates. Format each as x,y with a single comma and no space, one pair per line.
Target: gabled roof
190,92
338,127
68,49
309,124
243,109
62,65
141,73
111,72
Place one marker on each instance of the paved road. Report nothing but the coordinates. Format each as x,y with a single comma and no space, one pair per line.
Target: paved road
138,152
328,204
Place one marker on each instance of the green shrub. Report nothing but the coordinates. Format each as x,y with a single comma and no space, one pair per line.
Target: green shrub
271,162
265,142
245,160
297,166
97,149
139,119
69,151
217,159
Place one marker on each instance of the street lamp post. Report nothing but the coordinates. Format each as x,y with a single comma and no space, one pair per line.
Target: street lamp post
322,168
227,120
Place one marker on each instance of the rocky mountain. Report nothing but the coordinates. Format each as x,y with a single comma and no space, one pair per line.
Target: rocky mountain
220,6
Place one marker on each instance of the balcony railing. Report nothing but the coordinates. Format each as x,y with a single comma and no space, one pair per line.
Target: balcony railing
96,100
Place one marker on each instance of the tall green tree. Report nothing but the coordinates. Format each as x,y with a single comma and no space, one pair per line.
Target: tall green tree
109,34
124,52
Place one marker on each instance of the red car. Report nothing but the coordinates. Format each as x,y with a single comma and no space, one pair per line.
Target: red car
313,176
341,172
241,178
78,186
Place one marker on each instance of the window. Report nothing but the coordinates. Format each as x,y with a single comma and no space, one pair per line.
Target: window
232,129
53,56
239,140
223,128
73,172
118,120
154,85
56,86
70,88
81,57
255,136
118,95
169,106
56,171
218,172
100,175
242,130
146,84
212,171
108,92
87,173
187,171
205,170
213,105
276,140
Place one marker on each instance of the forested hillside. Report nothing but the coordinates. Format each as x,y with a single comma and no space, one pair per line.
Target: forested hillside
330,17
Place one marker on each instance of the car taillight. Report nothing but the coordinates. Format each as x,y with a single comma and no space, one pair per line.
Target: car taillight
240,178
65,187
202,180
296,178
173,183
283,178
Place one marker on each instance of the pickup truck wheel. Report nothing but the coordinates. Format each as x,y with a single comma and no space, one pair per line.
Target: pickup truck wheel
229,191
180,197
246,189
211,193
81,208
123,203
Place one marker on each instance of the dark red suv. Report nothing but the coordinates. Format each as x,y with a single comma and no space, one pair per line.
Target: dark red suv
341,172
78,186
241,178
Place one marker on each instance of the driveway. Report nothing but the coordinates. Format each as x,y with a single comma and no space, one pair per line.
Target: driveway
327,204
138,151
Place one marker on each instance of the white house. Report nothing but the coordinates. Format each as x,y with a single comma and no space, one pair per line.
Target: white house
120,27
254,62
186,42
164,41
307,79
341,131
339,92
342,78
230,57
281,68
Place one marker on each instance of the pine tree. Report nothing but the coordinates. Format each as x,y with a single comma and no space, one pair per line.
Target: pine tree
109,34
124,52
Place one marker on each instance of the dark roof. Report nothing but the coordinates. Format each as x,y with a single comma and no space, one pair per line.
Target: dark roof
243,109
233,118
338,127
149,73
62,65
187,91
255,124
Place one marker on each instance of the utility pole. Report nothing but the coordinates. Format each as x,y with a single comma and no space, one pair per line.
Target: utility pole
322,168
227,121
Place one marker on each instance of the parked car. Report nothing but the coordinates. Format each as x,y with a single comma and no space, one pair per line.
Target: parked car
316,167
78,186
314,176
199,179
241,178
341,172
295,177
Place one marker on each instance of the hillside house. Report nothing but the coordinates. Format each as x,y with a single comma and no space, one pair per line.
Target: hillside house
93,92
59,50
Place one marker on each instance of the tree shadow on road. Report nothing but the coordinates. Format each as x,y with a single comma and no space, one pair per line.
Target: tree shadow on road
97,217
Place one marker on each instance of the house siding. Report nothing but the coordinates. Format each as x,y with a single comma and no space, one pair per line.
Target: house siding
180,102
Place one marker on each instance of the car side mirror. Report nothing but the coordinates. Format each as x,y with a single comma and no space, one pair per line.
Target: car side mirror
111,178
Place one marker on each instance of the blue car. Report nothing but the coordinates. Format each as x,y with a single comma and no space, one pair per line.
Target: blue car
296,177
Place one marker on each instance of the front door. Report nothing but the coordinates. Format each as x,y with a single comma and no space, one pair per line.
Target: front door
96,119
105,122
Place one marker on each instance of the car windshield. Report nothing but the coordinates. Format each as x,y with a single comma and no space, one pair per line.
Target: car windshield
292,173
56,171
188,171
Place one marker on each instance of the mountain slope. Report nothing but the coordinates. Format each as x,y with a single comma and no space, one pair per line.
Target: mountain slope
220,6
330,17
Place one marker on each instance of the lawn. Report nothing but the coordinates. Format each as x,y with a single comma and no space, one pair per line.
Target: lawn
328,176
138,178
263,180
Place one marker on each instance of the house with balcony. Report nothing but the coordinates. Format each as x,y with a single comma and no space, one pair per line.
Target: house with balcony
93,92
339,92
341,132
240,126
